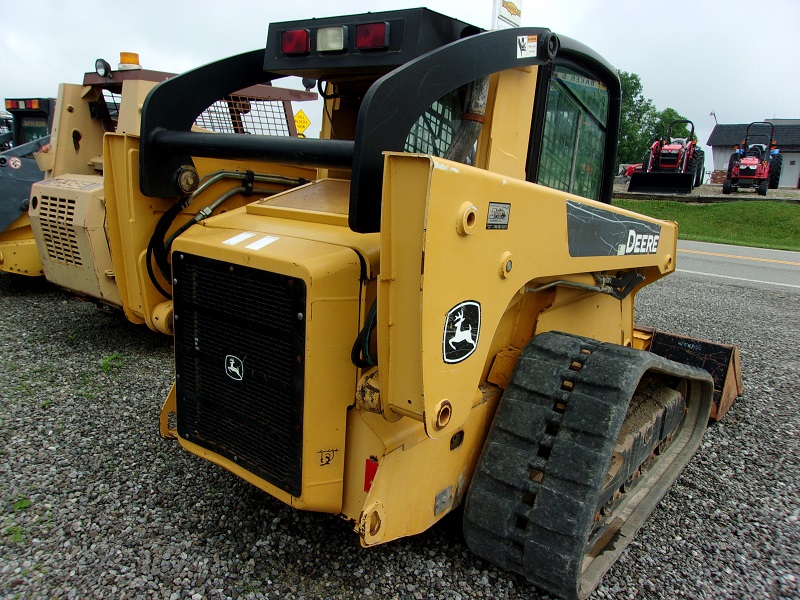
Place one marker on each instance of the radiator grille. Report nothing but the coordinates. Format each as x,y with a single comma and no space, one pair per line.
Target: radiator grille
57,219
239,360
669,160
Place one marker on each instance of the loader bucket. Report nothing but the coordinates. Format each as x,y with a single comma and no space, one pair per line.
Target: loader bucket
18,172
661,183
722,361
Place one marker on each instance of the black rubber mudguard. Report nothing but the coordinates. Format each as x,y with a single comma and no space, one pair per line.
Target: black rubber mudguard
533,501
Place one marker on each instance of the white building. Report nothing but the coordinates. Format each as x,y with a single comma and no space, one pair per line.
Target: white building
787,134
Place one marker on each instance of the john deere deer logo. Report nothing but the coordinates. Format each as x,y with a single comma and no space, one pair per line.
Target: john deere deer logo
461,331
234,367
461,335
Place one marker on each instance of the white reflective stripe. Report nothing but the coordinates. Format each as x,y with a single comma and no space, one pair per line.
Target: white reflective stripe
259,244
238,238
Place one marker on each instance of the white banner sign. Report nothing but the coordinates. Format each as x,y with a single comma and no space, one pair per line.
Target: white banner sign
507,13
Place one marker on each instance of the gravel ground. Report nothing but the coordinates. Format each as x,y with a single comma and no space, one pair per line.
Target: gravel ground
621,188
94,504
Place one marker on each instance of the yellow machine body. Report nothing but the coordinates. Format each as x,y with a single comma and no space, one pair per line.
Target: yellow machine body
348,345
406,421
18,253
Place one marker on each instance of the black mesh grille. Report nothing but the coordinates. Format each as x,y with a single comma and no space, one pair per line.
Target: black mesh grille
669,160
239,358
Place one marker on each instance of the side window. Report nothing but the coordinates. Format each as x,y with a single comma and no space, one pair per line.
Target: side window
574,133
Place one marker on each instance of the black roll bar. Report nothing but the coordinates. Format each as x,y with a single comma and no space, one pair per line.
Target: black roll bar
389,109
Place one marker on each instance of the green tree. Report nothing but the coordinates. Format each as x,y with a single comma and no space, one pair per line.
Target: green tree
641,122
666,117
637,120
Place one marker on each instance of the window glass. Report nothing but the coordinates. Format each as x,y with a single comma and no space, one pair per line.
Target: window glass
574,133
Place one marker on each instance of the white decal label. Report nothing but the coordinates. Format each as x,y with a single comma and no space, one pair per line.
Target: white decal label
239,238
14,162
71,184
259,244
498,216
641,243
526,46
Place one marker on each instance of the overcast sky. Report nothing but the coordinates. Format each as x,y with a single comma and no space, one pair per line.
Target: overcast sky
739,58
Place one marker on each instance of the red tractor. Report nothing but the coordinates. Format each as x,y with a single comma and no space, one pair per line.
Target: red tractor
671,165
754,165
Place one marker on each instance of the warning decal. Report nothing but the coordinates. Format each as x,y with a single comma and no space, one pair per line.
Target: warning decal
526,46
498,215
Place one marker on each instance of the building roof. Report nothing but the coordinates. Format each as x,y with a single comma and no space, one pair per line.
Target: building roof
787,133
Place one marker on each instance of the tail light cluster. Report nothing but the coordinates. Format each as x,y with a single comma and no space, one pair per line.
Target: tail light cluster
22,104
368,36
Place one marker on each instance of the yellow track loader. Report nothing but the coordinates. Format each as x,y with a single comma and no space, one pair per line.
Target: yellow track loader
442,315
91,226
24,131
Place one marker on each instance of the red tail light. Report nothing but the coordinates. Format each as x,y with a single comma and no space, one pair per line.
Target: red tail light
296,41
372,36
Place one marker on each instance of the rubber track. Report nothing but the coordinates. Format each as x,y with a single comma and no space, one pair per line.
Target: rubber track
533,498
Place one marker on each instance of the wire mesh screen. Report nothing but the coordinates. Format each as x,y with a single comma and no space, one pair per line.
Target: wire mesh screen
112,101
433,132
245,114
5,127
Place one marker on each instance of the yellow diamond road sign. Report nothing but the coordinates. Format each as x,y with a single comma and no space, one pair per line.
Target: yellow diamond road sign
301,121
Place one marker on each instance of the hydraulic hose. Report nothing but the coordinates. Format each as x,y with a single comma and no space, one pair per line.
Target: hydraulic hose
158,249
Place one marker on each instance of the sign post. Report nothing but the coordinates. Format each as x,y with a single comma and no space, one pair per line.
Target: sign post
301,122
506,14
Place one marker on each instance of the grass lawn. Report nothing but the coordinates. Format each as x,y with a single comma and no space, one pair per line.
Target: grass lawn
760,224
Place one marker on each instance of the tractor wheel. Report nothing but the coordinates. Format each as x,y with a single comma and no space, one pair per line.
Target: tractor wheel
646,162
775,166
727,187
699,167
733,159
761,188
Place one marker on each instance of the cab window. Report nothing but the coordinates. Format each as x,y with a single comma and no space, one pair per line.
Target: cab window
574,133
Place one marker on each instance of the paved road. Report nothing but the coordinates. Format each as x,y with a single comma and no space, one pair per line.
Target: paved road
752,266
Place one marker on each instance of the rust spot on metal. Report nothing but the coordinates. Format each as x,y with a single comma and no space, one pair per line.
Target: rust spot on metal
605,538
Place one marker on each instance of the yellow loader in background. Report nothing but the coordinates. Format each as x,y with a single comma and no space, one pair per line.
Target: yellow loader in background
442,315
24,131
91,225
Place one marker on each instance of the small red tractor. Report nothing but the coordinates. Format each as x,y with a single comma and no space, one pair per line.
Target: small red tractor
671,165
754,165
